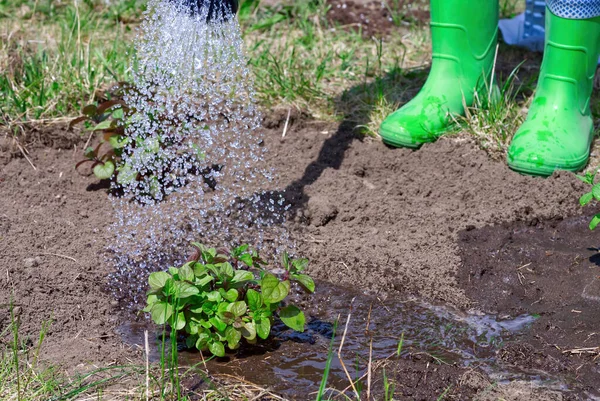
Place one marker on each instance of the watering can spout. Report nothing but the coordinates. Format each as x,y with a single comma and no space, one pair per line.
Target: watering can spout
211,10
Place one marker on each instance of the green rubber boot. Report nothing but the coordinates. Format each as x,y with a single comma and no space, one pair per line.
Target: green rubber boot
558,130
464,46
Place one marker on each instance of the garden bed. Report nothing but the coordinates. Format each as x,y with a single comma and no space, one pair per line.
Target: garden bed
393,224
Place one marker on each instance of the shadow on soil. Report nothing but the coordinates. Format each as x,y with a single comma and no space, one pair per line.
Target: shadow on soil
397,86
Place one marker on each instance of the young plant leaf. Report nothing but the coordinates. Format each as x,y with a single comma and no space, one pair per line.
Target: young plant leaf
254,299
226,270
104,170
237,308
240,249
293,318
588,178
595,221
242,276
596,191
102,126
185,290
299,264
263,328
118,114
157,280
273,290
202,341
150,301
231,295
218,323
126,174
161,312
586,198
202,281
200,269
214,296
285,260
180,322
249,331
305,280
118,141
246,259
186,272
192,327
233,337
217,348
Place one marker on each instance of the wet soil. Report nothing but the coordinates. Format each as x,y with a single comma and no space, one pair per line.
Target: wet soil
389,223
387,220
52,242
440,346
550,269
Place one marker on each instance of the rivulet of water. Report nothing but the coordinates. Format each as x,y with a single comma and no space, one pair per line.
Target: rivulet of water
434,332
193,167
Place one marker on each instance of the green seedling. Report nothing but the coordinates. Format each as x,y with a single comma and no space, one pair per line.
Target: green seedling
586,198
109,120
219,298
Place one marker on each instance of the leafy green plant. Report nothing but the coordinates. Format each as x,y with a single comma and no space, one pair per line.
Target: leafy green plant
110,119
220,297
586,198
103,162
107,119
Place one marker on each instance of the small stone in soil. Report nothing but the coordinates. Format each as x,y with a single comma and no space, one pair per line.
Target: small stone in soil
32,262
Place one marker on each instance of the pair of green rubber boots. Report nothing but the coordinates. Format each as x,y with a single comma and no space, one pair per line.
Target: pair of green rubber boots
558,130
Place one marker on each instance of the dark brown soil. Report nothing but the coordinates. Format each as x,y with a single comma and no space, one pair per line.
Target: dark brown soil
52,239
385,221
550,269
376,18
388,219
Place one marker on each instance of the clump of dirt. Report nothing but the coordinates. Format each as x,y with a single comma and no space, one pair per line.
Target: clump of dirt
376,18
545,268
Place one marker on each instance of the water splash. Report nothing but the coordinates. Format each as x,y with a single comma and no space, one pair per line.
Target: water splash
193,164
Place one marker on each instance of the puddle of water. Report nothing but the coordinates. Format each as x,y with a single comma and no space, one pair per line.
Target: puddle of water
293,363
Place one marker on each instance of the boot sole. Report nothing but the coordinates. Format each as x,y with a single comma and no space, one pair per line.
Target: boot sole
392,138
547,170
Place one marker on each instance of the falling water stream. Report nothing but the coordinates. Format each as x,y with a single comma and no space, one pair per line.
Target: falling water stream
194,142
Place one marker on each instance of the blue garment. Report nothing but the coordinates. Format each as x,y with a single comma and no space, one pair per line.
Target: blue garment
575,9
527,29
535,13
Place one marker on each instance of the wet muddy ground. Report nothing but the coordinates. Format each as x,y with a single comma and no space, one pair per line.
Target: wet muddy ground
548,269
437,240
